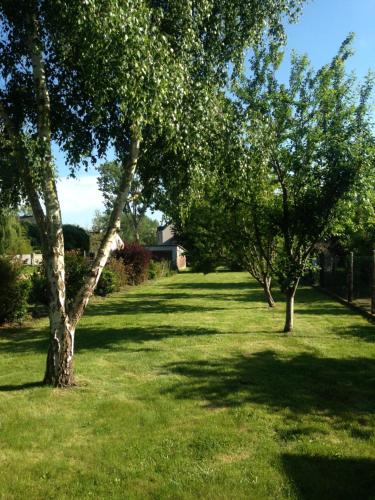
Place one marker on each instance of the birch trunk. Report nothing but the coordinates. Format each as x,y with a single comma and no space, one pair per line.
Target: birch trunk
100,261
59,366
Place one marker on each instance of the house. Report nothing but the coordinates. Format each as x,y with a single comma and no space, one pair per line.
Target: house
167,248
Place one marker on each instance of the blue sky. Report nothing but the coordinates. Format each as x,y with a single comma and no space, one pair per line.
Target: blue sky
321,29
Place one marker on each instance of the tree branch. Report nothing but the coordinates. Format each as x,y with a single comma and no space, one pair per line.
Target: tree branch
92,278
21,155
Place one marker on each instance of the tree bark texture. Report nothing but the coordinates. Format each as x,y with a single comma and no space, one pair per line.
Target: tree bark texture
267,292
289,312
92,279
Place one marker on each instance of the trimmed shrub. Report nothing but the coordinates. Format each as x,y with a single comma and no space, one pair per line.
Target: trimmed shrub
14,291
109,282
136,260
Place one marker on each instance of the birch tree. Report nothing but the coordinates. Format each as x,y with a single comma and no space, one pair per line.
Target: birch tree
95,74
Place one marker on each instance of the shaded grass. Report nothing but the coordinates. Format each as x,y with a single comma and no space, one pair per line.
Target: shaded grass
188,389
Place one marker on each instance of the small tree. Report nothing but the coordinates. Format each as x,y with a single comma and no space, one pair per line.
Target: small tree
312,142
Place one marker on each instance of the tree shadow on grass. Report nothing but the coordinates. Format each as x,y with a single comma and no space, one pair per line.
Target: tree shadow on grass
122,338
20,387
207,285
232,292
126,307
23,340
304,383
326,478
254,296
362,332
215,287
97,337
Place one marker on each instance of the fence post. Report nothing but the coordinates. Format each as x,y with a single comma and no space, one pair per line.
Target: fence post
373,284
351,277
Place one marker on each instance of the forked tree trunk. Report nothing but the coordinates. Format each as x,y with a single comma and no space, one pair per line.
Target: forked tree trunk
59,365
289,311
267,291
61,335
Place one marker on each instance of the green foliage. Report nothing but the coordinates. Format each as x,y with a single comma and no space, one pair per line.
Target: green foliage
13,239
39,288
76,269
75,238
14,291
311,143
113,277
109,282
117,266
33,234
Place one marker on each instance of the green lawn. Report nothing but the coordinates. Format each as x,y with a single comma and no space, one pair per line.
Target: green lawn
187,389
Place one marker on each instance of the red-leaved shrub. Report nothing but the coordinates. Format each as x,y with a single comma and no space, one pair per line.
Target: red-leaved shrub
136,260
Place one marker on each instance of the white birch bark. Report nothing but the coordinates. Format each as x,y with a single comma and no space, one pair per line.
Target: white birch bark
100,261
59,366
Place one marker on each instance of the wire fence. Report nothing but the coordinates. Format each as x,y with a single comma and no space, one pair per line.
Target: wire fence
351,277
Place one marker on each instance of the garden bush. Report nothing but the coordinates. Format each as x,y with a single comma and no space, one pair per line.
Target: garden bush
76,267
159,269
109,282
14,291
39,288
118,267
136,260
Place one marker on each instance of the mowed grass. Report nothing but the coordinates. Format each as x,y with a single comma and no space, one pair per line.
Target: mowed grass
188,389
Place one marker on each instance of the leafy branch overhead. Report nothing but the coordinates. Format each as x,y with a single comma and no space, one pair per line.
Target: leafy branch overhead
97,75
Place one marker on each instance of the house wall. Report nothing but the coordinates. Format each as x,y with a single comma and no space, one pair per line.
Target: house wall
164,234
181,258
173,253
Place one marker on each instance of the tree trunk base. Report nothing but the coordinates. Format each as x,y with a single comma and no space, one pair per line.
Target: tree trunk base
289,311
